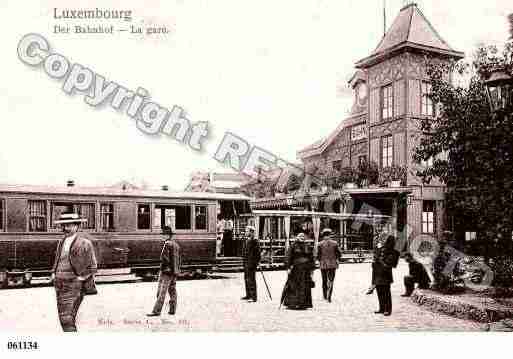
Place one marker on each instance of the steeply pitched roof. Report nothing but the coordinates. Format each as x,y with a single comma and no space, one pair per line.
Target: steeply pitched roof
321,145
410,29
314,146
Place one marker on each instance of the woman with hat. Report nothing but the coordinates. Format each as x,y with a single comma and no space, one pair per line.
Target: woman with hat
300,264
74,269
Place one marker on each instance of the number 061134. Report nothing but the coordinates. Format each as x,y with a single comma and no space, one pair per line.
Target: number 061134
22,345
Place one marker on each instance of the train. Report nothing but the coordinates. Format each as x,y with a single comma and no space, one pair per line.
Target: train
125,225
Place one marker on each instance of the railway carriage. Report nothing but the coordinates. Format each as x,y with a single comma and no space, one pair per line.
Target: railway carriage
125,225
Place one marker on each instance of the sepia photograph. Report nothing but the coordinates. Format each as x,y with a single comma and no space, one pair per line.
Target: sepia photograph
329,167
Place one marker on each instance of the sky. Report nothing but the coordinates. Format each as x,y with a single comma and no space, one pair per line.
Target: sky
272,72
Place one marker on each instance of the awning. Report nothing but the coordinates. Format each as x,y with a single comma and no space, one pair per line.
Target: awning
379,191
297,200
339,216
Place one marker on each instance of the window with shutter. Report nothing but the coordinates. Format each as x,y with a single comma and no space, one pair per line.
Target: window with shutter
426,105
386,151
106,217
2,214
37,216
387,101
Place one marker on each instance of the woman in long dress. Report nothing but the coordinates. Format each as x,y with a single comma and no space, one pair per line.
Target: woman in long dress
300,264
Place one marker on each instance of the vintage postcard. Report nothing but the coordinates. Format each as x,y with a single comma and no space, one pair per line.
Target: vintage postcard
318,166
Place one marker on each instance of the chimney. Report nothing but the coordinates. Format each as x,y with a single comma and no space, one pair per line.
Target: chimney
70,183
165,187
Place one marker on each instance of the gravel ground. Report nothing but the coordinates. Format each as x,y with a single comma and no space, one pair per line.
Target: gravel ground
215,305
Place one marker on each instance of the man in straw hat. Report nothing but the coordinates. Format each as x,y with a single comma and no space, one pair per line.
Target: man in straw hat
74,269
251,259
328,255
169,270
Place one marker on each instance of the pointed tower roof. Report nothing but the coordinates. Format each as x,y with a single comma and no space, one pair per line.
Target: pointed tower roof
411,30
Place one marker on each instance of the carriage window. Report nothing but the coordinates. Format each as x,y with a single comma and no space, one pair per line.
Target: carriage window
201,217
84,210
1,214
143,216
37,216
174,216
106,217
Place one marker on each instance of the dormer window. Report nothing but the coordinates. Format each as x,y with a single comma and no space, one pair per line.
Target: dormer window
361,93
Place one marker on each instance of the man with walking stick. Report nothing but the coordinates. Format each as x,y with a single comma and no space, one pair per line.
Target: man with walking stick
251,259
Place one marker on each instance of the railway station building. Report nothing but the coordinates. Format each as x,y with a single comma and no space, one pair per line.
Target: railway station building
390,88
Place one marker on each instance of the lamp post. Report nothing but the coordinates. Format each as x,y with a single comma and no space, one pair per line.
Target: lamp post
499,89
499,92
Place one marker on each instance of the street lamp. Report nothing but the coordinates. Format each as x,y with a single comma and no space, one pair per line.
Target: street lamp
499,89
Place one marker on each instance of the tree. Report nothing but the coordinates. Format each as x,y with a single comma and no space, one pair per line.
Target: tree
472,149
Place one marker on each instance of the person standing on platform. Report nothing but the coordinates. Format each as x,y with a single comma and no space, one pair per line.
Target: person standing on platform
417,274
169,270
328,256
300,264
251,259
385,258
228,238
74,268
219,239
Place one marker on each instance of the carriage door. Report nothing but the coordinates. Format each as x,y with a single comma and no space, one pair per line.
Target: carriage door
112,247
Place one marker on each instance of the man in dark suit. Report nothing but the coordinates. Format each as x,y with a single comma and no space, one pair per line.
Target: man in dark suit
251,259
328,255
169,270
417,274
73,271
385,258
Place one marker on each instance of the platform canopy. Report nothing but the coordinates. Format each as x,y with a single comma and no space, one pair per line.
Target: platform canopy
340,216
